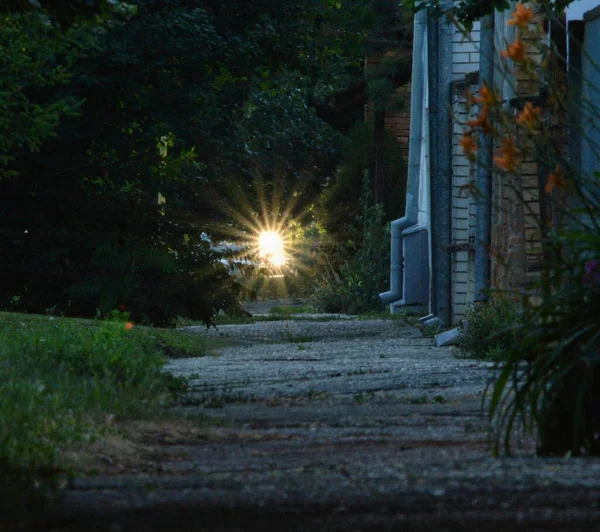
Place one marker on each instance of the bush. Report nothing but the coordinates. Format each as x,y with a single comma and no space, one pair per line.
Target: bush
489,328
353,287
550,380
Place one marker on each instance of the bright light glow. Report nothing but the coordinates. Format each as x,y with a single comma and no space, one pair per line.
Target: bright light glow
277,260
270,247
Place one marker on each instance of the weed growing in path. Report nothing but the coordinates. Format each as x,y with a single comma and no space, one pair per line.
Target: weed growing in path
418,400
362,398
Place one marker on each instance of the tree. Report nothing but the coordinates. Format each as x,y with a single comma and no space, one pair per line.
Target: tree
183,103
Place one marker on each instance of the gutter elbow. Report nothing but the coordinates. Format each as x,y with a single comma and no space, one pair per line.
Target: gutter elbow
387,298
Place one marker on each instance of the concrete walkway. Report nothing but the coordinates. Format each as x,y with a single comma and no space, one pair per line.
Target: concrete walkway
338,425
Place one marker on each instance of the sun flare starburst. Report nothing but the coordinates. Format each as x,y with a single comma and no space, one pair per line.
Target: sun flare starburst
268,225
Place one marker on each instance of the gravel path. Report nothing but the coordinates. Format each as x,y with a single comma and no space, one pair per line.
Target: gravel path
338,425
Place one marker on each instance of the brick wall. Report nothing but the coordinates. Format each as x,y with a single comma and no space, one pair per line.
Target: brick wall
515,240
465,60
516,251
465,53
463,207
397,113
397,121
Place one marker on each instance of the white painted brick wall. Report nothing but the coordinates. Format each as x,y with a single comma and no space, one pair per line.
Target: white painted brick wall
465,52
463,208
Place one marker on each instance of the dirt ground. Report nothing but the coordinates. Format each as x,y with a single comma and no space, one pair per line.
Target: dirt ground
328,425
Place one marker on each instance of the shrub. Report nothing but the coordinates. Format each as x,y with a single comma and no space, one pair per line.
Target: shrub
353,287
489,328
550,381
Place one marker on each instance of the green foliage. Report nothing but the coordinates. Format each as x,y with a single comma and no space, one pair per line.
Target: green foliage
113,207
40,48
182,108
123,242
469,11
62,380
35,59
354,286
489,328
550,379
429,331
339,209
419,400
289,311
69,12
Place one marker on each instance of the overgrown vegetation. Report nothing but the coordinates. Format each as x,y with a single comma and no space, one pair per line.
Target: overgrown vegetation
65,382
340,209
129,132
352,285
489,328
548,379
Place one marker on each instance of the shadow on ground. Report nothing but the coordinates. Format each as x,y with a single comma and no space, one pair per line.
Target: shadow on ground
332,425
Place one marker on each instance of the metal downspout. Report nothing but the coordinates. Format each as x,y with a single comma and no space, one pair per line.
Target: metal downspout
414,157
484,169
440,106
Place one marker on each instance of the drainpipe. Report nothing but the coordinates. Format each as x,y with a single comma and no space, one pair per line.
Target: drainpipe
414,157
440,109
484,169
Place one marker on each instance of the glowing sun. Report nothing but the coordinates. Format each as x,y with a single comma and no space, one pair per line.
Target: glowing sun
270,248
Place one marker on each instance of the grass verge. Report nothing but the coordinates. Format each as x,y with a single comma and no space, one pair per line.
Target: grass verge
69,382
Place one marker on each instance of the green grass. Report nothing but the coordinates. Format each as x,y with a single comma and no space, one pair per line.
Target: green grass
66,381
429,331
175,343
362,398
286,310
298,338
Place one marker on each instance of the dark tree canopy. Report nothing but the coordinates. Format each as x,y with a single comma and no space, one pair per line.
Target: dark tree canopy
126,128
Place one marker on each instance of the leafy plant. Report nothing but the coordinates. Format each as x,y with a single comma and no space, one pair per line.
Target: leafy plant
469,11
429,331
354,286
548,378
63,382
489,328
340,208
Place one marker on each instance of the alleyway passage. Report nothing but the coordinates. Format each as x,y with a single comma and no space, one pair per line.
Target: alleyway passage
342,424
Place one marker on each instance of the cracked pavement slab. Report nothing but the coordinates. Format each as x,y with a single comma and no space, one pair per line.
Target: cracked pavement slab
376,431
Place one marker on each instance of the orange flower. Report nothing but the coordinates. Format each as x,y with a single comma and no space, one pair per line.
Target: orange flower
508,160
516,51
487,96
468,145
481,121
529,116
522,17
555,179
129,325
